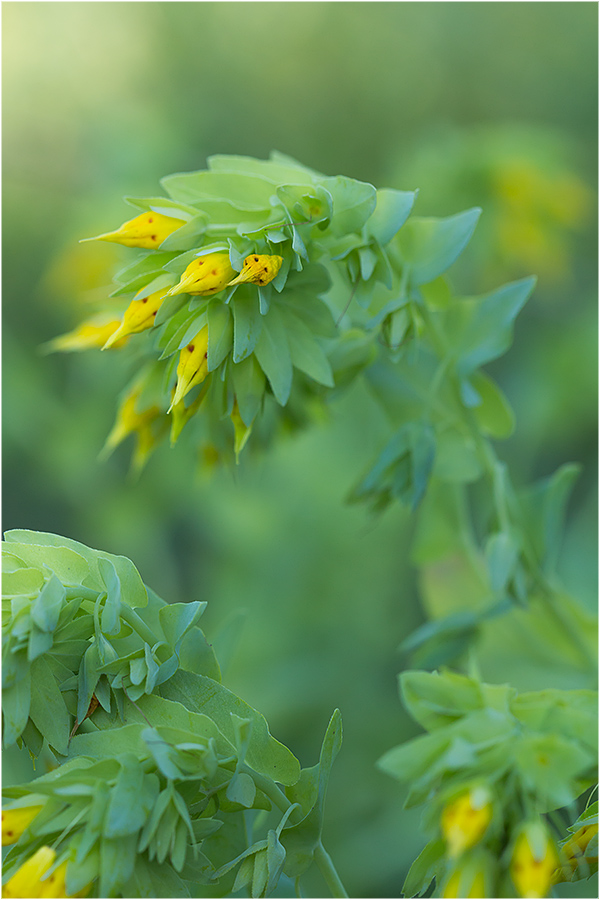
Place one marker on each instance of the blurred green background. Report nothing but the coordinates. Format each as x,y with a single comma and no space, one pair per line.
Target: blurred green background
489,104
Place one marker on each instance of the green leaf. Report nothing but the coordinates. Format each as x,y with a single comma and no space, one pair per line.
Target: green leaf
246,192
502,553
456,458
275,171
480,329
273,353
493,415
425,868
306,352
46,608
176,619
550,766
131,800
248,323
220,333
16,701
391,212
48,711
203,695
435,699
429,246
111,612
89,673
353,203
64,557
187,236
542,510
22,582
301,840
117,860
241,789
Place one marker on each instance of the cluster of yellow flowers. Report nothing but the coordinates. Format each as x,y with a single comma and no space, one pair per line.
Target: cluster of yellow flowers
38,876
534,859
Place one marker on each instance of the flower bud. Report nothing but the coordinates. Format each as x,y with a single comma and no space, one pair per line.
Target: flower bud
534,860
471,877
85,337
464,820
147,231
192,368
26,881
139,316
15,821
128,421
205,276
575,855
258,269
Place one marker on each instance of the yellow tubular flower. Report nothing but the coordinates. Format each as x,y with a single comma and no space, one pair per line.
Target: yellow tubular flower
258,269
192,368
26,882
574,852
534,861
85,337
205,276
147,231
139,316
454,888
464,820
16,820
128,421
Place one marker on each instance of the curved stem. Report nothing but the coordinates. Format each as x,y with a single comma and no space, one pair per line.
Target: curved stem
138,624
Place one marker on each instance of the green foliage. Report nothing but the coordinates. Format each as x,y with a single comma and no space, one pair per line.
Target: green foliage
163,775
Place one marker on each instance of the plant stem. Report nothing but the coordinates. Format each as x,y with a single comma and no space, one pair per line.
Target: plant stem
328,871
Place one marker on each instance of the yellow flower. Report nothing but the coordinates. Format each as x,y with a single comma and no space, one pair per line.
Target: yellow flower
455,886
192,368
26,882
205,276
139,316
16,820
85,336
241,431
464,820
258,269
534,860
574,852
128,421
147,231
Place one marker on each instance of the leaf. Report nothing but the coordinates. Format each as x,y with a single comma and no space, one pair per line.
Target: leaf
480,329
435,699
117,859
22,582
502,553
245,192
391,212
306,352
16,701
550,766
111,612
353,203
64,556
241,789
131,799
543,512
493,414
220,334
203,695
301,840
176,619
424,868
247,324
89,673
46,608
48,711
273,354
249,384
271,170
429,246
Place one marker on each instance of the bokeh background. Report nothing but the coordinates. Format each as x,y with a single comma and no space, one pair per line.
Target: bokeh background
489,104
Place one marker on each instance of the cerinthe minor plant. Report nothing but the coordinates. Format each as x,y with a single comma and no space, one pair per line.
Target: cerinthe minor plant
264,289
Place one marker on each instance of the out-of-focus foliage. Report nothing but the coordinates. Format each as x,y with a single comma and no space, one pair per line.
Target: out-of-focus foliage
99,101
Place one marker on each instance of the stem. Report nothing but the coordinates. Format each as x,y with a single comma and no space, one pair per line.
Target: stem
328,871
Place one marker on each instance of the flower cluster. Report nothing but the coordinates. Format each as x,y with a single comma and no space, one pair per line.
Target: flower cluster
493,764
231,308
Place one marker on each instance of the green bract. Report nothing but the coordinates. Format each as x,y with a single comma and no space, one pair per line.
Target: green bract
162,771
